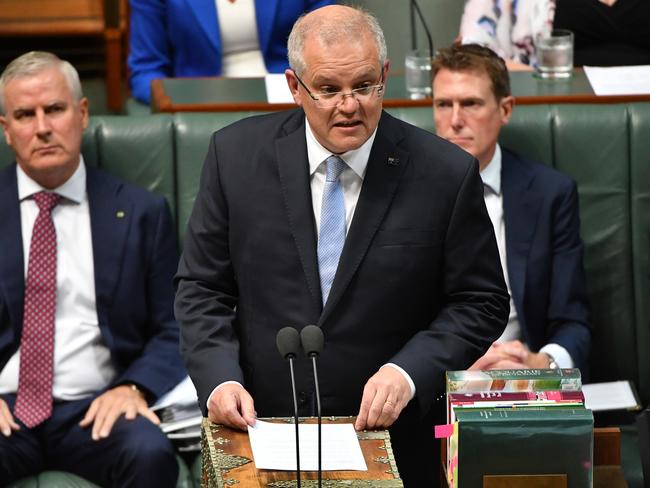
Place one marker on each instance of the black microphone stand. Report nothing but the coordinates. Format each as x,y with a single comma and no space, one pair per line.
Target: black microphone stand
415,7
320,466
288,342
296,419
312,343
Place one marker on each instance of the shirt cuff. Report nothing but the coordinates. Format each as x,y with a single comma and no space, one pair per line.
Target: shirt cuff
207,405
561,355
406,377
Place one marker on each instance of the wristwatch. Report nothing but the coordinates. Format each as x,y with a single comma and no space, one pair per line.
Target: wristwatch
551,362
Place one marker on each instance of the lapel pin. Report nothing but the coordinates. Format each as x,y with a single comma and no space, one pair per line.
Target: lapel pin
393,161
120,214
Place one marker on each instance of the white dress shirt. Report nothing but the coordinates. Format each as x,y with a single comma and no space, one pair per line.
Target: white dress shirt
82,362
351,181
240,48
491,176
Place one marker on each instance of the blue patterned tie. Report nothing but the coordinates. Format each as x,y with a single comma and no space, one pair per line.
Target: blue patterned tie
332,225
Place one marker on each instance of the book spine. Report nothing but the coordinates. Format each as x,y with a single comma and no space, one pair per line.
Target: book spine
517,396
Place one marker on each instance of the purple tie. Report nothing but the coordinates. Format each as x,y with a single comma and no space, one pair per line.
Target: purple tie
34,398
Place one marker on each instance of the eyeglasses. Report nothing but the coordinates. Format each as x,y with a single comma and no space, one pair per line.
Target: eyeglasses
328,99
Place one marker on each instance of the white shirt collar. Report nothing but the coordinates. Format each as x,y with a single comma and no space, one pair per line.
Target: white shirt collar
73,189
491,174
357,159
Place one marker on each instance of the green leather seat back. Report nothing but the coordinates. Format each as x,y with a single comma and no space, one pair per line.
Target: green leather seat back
591,145
639,127
529,133
192,133
139,149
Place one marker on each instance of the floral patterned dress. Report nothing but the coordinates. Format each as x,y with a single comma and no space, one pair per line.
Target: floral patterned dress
509,27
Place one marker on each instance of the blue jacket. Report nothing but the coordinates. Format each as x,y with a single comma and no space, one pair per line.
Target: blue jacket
545,254
177,38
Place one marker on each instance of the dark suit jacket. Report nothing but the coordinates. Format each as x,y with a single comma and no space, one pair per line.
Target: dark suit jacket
134,258
182,38
545,252
418,283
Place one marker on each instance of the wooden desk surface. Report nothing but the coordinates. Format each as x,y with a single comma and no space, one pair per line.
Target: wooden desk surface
228,460
249,94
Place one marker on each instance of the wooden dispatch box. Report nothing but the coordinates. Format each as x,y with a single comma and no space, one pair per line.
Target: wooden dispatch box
228,461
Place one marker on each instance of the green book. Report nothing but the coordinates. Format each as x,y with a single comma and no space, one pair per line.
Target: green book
519,441
508,380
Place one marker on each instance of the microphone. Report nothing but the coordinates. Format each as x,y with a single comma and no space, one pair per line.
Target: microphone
416,8
288,342
312,344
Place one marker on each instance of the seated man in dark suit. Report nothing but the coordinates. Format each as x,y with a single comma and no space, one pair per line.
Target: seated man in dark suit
87,332
534,212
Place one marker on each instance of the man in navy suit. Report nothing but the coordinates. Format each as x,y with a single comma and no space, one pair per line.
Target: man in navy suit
534,212
98,312
339,215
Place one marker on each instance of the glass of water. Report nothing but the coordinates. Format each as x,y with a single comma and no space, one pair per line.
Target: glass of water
418,74
554,52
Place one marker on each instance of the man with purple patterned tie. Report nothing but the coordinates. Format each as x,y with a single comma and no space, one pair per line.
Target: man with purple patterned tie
342,216
87,334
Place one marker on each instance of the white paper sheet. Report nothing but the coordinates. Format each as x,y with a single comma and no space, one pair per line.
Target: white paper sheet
274,447
612,395
619,80
277,90
183,393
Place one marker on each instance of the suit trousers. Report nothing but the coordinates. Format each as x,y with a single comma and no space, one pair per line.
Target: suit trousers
136,453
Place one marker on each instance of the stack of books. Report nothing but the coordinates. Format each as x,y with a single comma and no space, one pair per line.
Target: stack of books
517,422
180,416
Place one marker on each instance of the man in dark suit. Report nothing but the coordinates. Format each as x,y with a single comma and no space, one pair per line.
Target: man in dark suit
339,215
87,333
534,212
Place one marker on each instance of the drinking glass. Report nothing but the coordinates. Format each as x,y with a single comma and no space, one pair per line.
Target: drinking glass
555,54
418,74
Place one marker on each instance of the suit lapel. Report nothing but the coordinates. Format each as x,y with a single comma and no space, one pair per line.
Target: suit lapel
205,12
520,211
379,186
293,167
265,11
110,220
12,265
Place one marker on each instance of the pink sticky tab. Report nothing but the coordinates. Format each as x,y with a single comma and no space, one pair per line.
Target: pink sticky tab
554,395
444,431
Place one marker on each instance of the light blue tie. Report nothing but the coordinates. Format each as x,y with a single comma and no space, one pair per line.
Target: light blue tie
332,225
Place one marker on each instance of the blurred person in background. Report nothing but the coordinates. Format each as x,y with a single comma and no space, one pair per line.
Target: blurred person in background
607,32
183,38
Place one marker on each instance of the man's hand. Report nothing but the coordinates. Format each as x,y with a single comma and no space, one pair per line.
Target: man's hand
233,406
510,355
109,406
384,397
7,422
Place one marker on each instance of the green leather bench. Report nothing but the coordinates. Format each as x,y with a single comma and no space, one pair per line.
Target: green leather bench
605,148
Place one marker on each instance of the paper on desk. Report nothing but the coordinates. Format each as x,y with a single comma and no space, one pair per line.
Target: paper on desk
277,90
619,80
611,395
274,447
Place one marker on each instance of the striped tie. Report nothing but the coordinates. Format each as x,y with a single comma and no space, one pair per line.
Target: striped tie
332,225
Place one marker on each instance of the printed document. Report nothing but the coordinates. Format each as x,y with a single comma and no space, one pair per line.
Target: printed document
274,447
